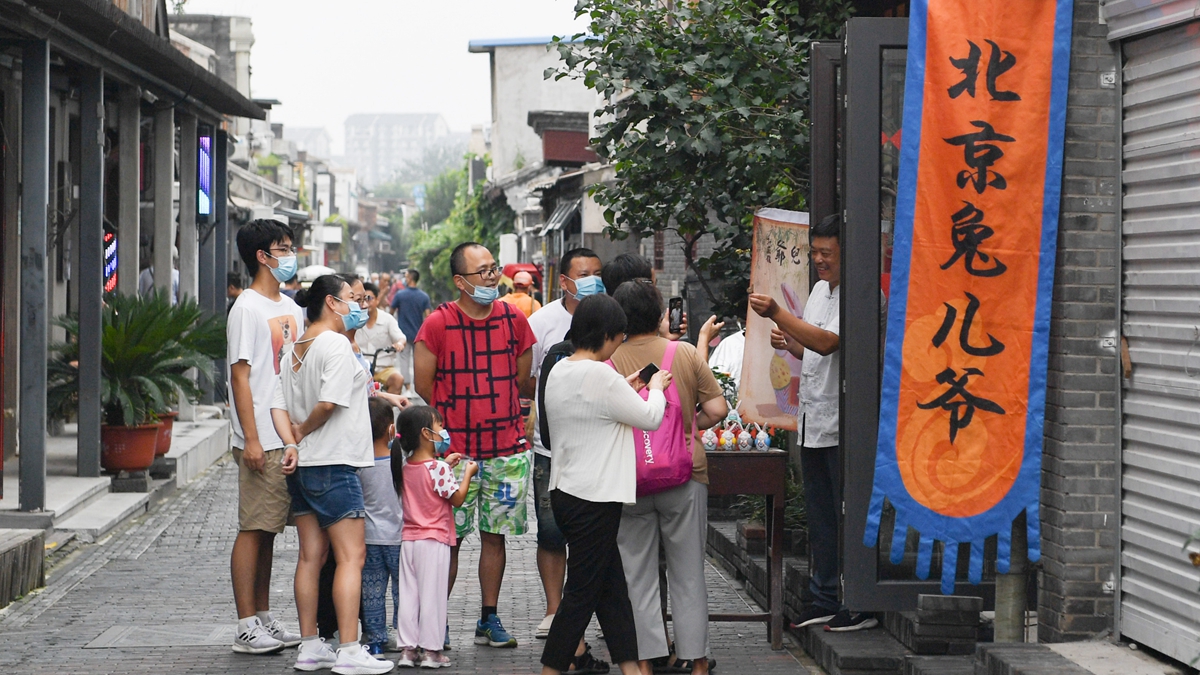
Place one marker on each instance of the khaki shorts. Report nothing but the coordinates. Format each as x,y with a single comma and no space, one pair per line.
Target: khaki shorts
382,375
263,500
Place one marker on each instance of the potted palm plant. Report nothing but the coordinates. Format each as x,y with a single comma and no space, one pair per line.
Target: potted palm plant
148,347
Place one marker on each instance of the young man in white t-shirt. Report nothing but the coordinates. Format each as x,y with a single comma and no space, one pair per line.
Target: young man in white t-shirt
550,325
262,323
381,332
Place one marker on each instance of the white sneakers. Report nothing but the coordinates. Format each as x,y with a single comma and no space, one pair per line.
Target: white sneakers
315,655
277,631
254,638
434,660
409,658
543,629
359,661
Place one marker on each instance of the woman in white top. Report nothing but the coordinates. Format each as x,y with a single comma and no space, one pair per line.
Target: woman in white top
321,405
591,411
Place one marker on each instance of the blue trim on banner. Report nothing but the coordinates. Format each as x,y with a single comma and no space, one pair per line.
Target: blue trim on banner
902,235
1025,492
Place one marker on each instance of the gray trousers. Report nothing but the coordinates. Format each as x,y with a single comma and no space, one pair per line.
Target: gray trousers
678,518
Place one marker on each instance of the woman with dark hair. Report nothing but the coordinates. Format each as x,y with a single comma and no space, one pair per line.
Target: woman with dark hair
321,405
593,473
677,517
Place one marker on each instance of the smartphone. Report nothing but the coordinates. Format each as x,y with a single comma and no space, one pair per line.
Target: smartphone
675,312
647,373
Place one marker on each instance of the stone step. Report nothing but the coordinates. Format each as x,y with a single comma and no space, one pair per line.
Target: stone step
940,665
865,652
105,514
65,497
1023,659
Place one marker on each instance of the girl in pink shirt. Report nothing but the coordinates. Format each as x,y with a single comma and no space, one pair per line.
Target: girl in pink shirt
428,493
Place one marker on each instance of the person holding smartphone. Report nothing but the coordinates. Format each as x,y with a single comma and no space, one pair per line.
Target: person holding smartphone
593,475
677,517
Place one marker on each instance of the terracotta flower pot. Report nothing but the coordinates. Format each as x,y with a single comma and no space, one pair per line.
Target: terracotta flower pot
163,445
128,448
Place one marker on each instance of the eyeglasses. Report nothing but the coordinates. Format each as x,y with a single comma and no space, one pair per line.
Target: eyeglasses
369,298
489,273
290,250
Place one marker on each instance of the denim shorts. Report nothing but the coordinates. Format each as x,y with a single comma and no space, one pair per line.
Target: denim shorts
549,537
330,492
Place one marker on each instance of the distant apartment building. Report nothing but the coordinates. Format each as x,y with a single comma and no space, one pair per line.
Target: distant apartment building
380,145
519,86
316,141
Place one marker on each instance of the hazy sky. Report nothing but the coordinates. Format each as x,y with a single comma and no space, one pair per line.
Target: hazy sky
327,60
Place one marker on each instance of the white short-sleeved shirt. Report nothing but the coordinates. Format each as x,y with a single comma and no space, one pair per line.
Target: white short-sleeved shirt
385,333
819,374
592,414
727,357
330,373
550,325
258,330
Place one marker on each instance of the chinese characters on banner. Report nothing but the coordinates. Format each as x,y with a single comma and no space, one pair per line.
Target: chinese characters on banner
770,388
963,395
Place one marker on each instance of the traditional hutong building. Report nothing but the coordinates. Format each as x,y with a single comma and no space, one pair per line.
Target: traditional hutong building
114,139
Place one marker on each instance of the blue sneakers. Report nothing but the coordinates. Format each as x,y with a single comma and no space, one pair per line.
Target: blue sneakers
492,633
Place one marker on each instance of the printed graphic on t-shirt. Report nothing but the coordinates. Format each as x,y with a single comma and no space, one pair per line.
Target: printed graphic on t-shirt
444,483
283,333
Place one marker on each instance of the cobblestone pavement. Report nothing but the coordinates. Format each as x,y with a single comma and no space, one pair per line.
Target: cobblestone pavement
157,591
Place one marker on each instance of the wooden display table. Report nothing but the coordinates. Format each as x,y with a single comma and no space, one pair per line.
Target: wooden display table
757,473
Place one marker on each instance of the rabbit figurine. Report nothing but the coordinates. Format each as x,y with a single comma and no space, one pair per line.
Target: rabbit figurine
762,442
709,440
728,442
745,441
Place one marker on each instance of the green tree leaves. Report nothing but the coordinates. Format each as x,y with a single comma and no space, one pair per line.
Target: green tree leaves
706,117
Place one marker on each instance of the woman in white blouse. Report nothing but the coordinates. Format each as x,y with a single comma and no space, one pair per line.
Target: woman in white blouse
591,411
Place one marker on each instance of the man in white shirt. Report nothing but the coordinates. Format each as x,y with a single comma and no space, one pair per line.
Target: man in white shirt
262,323
580,277
146,278
381,332
815,340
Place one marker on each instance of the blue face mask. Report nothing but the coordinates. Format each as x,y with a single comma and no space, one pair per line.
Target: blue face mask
286,269
357,316
484,295
442,444
588,286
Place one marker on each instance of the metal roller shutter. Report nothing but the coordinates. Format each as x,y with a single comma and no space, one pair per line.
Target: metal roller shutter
1160,606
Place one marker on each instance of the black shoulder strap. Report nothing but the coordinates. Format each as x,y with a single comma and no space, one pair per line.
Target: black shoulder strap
555,354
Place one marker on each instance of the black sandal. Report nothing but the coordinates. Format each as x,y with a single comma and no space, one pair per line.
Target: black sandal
663,664
586,663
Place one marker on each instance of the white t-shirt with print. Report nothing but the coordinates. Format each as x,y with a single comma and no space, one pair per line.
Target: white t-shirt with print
329,373
258,330
819,374
385,333
550,325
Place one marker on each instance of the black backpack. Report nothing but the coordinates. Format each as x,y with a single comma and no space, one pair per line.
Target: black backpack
555,354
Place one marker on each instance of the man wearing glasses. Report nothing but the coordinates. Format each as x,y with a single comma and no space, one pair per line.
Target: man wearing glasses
472,361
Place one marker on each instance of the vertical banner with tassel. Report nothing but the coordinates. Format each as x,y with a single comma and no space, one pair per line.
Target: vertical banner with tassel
964,377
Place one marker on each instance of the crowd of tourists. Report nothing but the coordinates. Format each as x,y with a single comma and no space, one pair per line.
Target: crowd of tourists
388,437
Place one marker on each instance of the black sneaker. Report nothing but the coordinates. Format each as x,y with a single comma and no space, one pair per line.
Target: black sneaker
813,616
845,622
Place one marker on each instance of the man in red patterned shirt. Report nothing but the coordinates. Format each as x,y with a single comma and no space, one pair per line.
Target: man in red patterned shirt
472,362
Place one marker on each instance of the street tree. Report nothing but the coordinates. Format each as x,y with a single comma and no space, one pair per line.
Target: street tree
705,118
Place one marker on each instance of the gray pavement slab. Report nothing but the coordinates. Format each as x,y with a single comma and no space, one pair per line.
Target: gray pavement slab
167,573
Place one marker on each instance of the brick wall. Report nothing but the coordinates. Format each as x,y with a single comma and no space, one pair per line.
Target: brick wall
1079,527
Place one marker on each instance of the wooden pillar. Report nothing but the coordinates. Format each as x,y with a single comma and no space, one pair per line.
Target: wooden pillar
164,181
91,267
35,203
129,186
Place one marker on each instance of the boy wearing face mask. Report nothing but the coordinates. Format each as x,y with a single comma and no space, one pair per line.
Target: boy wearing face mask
472,360
262,323
579,277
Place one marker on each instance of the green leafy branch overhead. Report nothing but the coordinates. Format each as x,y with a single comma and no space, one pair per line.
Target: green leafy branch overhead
705,118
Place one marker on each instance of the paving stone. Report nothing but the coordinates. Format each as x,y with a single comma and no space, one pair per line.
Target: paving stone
169,570
957,603
939,665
